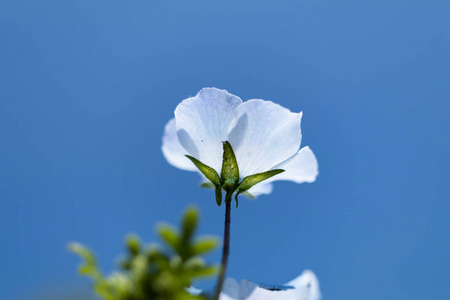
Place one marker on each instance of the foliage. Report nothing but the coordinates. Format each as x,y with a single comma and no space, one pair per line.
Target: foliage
154,272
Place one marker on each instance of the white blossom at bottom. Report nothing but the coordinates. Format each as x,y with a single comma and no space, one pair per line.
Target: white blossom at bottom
304,287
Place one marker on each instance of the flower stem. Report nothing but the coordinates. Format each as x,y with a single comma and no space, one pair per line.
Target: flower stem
226,246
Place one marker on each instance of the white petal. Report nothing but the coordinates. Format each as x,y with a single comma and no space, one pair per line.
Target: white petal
251,291
224,296
172,149
306,286
230,290
203,122
302,167
263,135
247,290
261,189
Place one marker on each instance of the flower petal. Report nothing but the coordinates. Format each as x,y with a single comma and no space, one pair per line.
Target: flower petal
262,188
263,135
306,286
172,149
202,123
302,167
247,290
251,291
230,290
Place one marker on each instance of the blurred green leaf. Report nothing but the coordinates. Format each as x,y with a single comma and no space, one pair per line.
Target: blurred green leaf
154,272
190,222
83,252
134,244
169,235
205,245
206,272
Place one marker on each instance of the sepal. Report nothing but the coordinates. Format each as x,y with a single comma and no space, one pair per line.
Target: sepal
252,180
209,172
207,185
230,169
219,195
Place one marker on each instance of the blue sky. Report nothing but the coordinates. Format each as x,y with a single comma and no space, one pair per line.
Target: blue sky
87,87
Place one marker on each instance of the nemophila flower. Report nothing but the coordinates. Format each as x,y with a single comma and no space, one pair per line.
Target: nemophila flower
238,146
304,287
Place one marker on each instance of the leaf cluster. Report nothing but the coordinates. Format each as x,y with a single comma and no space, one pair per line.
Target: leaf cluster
154,272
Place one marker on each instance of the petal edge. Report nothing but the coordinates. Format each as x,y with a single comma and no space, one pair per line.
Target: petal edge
173,151
205,119
264,134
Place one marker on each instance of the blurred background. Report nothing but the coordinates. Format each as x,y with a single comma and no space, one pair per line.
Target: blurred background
87,87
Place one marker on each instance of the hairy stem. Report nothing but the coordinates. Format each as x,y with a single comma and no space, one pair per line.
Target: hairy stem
226,246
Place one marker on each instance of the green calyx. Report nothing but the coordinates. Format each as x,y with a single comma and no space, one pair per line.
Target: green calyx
230,169
229,176
251,180
209,172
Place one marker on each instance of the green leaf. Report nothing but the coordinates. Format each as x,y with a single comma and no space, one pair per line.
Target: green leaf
195,263
204,245
209,172
230,169
83,252
251,180
206,272
133,244
190,222
87,269
154,272
169,235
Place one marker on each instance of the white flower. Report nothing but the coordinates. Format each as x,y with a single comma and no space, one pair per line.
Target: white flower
304,287
264,136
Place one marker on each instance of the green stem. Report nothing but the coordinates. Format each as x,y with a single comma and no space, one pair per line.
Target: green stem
226,246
